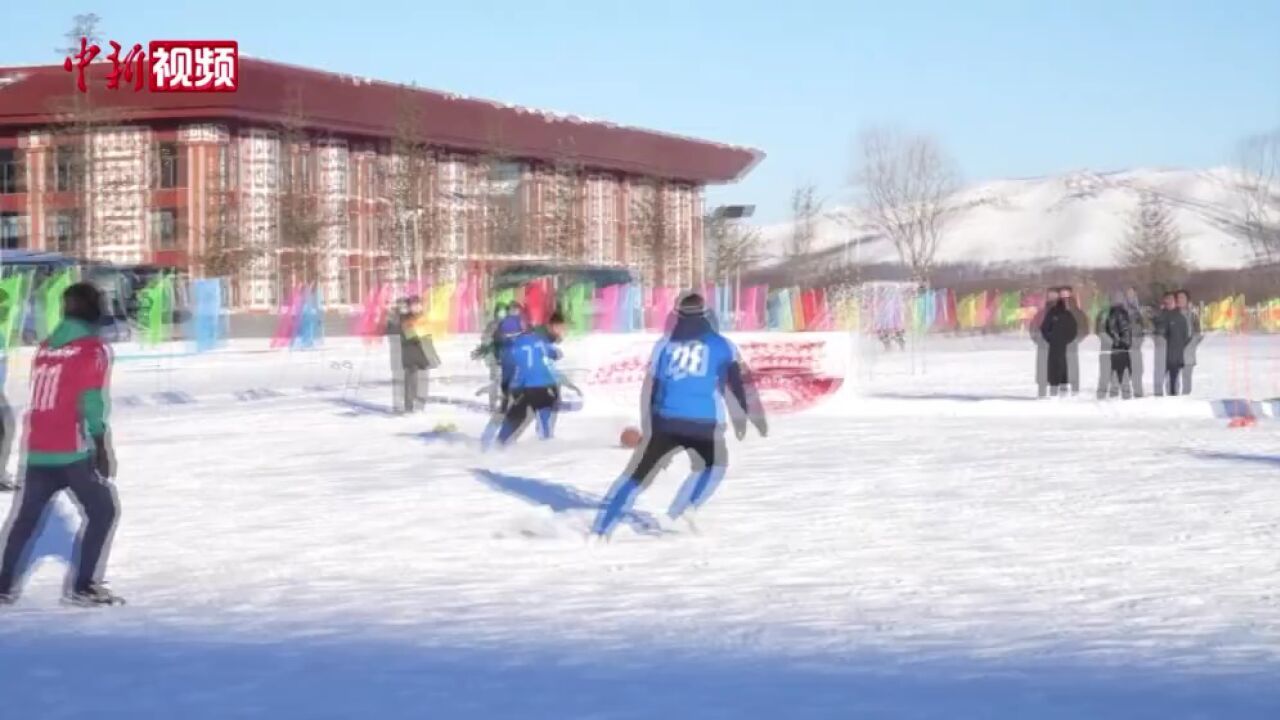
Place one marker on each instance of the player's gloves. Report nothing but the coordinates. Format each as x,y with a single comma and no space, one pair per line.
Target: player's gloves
102,457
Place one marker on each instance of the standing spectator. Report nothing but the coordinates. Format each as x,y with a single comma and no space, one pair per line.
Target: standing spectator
409,356
1118,332
1139,322
1042,347
1175,329
1183,301
1082,331
1059,331
1106,384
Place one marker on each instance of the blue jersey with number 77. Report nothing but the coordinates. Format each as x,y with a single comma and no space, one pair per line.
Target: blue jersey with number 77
529,359
689,374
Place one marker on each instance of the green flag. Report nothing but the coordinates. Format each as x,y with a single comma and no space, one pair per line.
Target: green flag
13,304
155,307
51,294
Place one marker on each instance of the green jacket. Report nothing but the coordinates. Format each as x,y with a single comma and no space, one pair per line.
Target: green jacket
92,404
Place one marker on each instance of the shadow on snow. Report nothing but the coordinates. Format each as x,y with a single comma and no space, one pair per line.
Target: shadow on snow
561,498
47,673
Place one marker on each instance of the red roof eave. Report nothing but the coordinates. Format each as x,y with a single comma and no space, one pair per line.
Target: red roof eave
345,106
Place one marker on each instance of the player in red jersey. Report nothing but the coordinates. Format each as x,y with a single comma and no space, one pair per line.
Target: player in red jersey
67,447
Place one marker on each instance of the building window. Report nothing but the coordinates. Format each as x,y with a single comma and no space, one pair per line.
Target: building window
164,227
63,231
167,165
11,174
12,226
62,171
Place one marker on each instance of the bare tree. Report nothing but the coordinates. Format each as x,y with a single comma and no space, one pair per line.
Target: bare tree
806,209
648,229
408,188
301,215
1152,251
1258,160
906,182
72,165
731,247
224,251
498,201
83,26
564,195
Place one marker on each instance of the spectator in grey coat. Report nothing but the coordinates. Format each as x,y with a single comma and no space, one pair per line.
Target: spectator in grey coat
1139,320
1183,300
1174,327
412,356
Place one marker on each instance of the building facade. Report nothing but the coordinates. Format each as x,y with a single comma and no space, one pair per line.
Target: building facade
306,177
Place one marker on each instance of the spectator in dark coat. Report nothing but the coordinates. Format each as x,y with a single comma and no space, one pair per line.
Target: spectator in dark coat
1118,332
1082,331
1139,322
1183,301
1042,347
1059,331
1174,328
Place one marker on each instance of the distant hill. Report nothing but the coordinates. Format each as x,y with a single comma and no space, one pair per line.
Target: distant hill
1075,220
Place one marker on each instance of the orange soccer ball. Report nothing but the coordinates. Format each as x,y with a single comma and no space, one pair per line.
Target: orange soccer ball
631,438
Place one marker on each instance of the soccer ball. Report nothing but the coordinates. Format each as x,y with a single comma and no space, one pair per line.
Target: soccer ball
630,438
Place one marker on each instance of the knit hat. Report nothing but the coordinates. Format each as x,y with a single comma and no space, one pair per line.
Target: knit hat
691,305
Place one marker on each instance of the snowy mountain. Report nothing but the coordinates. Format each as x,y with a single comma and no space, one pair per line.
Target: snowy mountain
1077,220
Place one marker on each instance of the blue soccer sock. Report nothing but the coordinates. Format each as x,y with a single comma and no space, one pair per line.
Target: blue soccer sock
490,433
544,423
696,490
616,505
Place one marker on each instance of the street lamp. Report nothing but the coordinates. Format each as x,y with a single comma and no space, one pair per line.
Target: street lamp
721,213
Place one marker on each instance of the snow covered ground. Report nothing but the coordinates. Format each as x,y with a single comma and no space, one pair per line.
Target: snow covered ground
929,543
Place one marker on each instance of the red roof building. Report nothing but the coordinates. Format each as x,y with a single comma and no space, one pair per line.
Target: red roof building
302,176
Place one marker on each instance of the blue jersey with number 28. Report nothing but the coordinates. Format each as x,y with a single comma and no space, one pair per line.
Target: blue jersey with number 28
689,374
529,360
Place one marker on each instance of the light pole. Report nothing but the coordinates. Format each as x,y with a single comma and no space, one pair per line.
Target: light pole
721,214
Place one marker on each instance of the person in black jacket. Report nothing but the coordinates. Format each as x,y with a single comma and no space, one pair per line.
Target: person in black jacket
1118,336
1082,331
1042,347
1059,331
1175,329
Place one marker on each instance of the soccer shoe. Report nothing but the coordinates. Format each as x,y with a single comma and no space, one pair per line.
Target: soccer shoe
96,595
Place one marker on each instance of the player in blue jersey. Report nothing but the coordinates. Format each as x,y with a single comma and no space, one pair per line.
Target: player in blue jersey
693,374
533,384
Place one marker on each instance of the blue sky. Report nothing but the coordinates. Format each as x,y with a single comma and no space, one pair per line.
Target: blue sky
1012,89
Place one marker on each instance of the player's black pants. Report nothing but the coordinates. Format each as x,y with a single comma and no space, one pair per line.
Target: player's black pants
706,447
526,402
97,500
